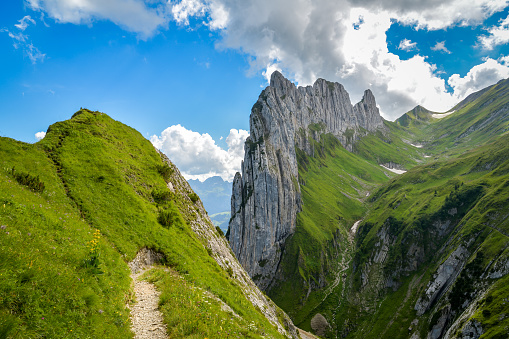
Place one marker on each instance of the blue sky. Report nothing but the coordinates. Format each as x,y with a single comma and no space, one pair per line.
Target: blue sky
186,73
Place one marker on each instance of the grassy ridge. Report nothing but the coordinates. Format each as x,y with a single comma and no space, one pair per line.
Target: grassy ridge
58,280
473,124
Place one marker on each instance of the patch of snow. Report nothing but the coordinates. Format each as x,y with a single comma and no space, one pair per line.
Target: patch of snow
397,171
441,115
427,156
418,146
367,194
354,227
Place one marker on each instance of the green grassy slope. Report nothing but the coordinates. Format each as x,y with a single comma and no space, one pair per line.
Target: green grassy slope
469,193
334,183
474,122
63,251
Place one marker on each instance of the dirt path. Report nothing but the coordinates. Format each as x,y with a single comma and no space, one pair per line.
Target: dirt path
146,320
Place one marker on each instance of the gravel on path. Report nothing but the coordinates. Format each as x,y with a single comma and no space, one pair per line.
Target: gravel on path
146,319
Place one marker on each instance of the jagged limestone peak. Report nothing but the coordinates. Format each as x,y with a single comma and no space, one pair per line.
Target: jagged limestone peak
266,196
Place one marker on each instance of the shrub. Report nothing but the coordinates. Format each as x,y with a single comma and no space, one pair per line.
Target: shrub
220,231
170,217
161,196
229,270
194,197
34,183
165,171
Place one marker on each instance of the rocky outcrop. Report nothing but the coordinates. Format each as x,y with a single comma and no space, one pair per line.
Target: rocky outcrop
445,275
472,330
266,196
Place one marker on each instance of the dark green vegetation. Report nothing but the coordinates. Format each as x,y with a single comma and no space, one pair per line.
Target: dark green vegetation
431,254
74,209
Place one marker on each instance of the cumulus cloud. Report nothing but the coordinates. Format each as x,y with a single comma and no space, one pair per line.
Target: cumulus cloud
343,40
437,14
142,17
346,41
407,45
497,35
40,135
480,76
440,46
198,156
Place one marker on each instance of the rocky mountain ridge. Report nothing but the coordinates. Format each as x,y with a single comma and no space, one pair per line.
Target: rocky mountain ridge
266,196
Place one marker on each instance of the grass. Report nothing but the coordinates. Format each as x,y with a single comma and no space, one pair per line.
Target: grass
64,251
334,184
191,312
471,196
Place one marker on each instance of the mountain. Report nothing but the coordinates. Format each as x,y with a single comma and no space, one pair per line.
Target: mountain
267,196
215,194
76,211
325,223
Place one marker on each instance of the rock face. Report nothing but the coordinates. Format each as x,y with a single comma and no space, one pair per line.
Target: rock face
443,278
266,196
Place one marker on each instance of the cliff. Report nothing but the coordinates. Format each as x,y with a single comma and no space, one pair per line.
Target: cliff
266,197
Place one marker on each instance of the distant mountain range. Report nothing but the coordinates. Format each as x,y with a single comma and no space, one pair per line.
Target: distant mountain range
215,193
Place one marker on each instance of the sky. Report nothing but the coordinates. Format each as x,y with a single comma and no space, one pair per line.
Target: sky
186,73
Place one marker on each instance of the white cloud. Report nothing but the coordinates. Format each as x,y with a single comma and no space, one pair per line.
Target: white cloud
479,77
21,40
343,40
497,35
142,17
346,41
23,23
407,45
197,155
440,46
440,14
187,8
40,135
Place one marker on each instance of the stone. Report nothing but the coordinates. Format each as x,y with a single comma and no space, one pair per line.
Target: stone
320,325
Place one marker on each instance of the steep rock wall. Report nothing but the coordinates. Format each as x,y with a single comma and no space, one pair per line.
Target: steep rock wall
266,196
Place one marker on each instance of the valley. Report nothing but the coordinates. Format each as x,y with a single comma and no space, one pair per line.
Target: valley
428,197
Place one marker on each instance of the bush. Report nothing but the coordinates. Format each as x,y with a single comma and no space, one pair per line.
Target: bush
161,196
34,183
229,270
220,231
170,217
194,197
165,171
